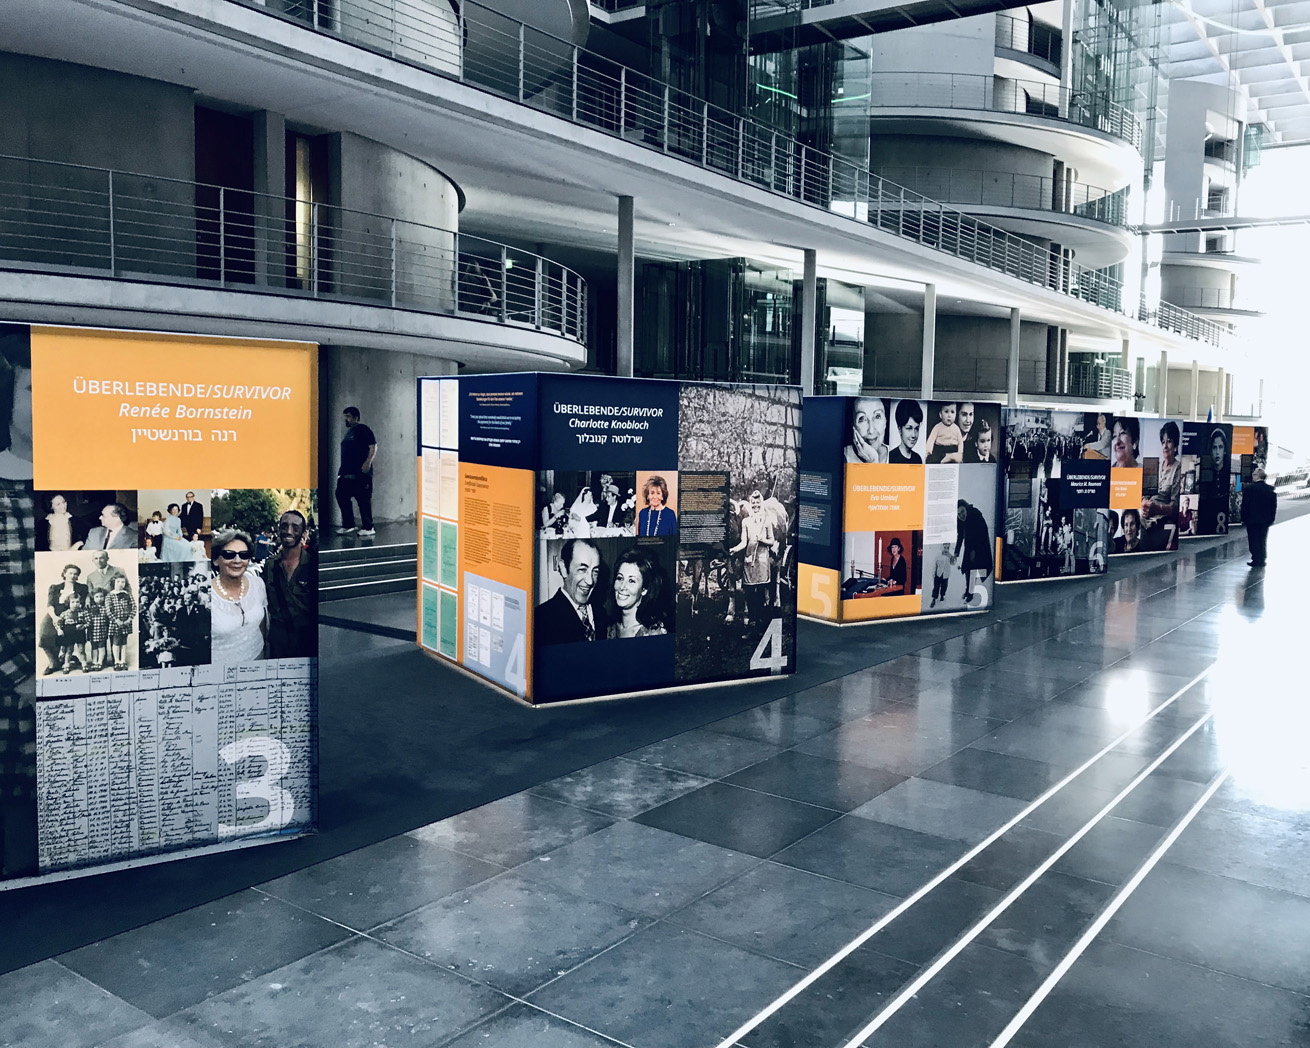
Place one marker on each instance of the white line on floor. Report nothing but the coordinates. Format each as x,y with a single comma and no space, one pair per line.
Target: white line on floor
731,1040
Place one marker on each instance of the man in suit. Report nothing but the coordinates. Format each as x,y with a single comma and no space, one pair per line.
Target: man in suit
115,531
569,616
103,577
1259,507
193,516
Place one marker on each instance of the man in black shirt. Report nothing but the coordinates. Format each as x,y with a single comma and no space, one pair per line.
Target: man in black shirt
292,582
355,477
1259,507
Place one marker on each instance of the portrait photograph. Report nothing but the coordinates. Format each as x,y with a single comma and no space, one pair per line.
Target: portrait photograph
87,604
74,520
173,526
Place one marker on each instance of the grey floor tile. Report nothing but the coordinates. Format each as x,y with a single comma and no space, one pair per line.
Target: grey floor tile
851,697
668,987
357,995
364,888
1118,996
966,1006
740,820
619,787
1111,851
704,752
1008,860
900,739
159,969
925,669
874,855
1044,923
941,809
514,829
840,785
837,1005
936,921
46,1006
163,1033
990,692
777,722
786,913
1288,802
512,932
639,868
1034,742
523,1026
1000,773
1230,926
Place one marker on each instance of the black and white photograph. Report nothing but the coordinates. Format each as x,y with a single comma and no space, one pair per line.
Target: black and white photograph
736,585
960,575
588,504
1209,444
172,526
907,432
1097,435
1162,484
74,520
86,609
604,589
866,437
174,615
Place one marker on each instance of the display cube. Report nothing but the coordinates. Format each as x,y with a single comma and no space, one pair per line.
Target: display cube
898,507
583,536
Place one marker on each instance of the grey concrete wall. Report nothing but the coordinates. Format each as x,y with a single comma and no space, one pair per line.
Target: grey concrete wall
373,179
966,45
383,386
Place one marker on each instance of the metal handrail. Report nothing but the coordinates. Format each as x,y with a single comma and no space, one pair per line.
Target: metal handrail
516,61
66,218
1015,34
1006,189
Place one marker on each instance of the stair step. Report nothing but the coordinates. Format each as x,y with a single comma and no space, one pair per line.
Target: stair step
344,591
361,554
368,569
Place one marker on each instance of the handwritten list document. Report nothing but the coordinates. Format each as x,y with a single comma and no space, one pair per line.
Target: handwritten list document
174,758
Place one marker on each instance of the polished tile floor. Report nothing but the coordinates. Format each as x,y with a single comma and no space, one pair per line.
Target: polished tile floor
1085,825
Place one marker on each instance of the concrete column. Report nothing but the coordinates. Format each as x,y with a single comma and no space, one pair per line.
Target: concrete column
1124,357
1221,409
929,339
809,319
1162,383
1066,55
271,184
1012,366
1196,391
626,288
1064,362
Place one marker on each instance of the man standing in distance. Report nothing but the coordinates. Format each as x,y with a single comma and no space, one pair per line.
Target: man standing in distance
1259,507
193,516
355,475
569,616
292,583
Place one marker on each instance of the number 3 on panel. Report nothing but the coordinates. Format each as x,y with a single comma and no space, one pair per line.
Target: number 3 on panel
775,662
264,787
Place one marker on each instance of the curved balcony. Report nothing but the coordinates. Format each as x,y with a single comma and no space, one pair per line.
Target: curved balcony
999,189
523,64
974,91
1038,45
64,219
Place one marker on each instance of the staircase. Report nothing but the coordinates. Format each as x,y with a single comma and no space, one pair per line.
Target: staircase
367,570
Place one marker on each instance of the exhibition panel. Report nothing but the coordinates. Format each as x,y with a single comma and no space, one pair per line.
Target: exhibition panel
898,507
1146,483
157,529
1056,494
562,514
1204,498
1250,451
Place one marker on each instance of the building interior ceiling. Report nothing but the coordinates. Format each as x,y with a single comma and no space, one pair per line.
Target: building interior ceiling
1260,48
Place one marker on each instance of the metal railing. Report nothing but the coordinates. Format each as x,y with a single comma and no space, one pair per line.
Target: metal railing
66,218
508,58
1033,38
1001,95
1204,297
1002,189
1169,317
1100,380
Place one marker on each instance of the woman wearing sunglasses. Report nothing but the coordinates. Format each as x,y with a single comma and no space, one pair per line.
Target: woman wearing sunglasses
240,604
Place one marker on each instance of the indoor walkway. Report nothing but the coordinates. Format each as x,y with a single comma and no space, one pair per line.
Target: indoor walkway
1083,820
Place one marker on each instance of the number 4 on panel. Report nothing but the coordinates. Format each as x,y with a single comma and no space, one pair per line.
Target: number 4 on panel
768,652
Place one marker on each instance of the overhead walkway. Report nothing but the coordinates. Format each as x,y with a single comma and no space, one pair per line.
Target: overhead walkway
801,23
494,53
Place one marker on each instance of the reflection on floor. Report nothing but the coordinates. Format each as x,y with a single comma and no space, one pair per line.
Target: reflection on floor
1086,823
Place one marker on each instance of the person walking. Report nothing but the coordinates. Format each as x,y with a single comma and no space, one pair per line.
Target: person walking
355,475
1259,507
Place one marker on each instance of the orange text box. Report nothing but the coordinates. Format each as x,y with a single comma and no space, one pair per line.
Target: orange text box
135,410
883,497
1243,440
899,606
1125,488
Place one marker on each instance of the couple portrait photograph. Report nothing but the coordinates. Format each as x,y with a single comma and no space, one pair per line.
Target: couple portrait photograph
604,589
76,520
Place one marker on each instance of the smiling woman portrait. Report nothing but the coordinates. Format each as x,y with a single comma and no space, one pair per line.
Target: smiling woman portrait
240,603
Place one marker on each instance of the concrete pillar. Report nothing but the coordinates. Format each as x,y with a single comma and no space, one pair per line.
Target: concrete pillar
271,189
809,319
1064,362
1221,409
626,288
1066,55
1012,367
929,339
1124,358
1196,391
1162,383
